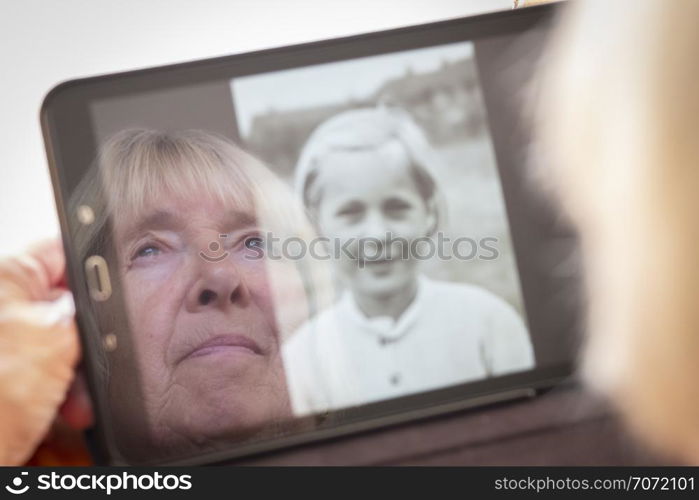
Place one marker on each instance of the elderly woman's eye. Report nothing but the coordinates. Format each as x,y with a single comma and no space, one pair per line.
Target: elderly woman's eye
254,242
147,251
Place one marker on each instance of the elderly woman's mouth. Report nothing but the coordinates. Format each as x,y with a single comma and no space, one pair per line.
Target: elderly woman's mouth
225,344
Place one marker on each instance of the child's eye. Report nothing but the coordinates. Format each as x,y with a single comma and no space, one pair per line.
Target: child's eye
396,206
353,209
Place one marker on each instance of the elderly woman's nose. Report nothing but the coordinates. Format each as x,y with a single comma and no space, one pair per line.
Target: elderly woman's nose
218,285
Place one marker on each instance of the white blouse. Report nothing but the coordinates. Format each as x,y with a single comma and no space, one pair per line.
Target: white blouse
450,334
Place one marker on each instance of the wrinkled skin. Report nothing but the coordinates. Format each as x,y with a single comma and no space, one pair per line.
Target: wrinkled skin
198,390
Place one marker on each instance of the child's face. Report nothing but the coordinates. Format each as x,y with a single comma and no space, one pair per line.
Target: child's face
372,194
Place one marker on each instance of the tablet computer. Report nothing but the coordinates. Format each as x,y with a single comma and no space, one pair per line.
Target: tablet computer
283,246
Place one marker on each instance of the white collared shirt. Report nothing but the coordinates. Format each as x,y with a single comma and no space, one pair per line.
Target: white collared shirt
450,334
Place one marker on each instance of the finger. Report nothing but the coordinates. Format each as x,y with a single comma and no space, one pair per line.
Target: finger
43,333
34,275
49,254
60,309
38,364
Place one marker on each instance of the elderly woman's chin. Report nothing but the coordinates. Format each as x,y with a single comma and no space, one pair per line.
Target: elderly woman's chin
203,416
232,422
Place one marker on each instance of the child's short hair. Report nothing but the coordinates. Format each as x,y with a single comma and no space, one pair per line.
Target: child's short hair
366,129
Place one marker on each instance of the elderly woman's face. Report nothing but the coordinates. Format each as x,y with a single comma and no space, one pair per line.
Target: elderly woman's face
202,318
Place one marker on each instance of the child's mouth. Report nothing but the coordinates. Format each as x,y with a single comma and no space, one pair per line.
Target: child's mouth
378,266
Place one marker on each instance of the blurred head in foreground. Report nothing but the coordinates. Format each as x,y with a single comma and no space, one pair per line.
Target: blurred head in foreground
618,118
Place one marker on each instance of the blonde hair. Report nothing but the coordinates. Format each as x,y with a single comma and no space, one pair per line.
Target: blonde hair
618,117
369,129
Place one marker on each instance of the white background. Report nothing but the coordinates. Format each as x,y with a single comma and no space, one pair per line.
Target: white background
44,42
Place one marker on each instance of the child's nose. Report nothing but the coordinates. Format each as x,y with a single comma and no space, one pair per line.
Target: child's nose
376,227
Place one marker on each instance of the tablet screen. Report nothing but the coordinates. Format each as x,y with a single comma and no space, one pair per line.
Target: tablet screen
295,244
392,159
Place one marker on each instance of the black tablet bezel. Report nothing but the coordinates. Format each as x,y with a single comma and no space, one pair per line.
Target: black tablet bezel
70,140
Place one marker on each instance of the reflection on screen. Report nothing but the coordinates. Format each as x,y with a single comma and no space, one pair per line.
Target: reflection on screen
296,242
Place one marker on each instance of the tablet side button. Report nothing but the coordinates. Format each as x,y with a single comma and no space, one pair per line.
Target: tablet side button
98,281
